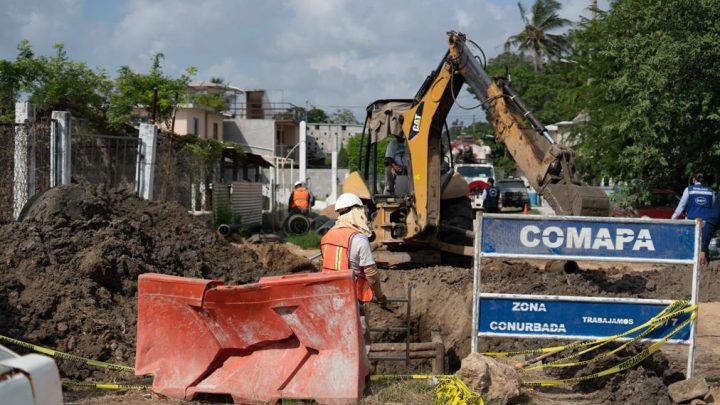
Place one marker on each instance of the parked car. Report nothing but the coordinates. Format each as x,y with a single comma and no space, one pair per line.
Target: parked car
661,206
513,192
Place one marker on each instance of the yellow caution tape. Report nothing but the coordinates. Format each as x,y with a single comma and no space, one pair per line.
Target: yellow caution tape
658,321
105,386
454,391
67,356
449,391
662,317
626,364
381,377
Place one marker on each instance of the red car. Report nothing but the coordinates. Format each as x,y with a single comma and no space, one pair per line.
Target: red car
662,205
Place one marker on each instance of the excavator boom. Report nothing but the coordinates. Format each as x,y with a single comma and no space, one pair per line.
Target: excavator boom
547,165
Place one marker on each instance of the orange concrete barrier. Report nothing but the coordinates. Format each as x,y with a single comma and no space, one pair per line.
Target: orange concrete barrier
288,337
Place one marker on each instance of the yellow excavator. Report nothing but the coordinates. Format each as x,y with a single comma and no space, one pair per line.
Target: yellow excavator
434,213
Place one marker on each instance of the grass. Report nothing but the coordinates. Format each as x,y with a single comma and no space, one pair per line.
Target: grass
310,240
401,392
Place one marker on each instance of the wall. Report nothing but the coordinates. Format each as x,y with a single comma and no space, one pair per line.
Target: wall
184,122
319,181
321,137
257,135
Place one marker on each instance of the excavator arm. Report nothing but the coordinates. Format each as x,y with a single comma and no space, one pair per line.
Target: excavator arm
547,165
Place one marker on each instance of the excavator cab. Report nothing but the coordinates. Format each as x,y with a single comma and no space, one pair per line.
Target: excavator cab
395,214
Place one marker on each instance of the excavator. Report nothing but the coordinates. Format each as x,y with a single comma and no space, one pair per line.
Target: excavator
434,214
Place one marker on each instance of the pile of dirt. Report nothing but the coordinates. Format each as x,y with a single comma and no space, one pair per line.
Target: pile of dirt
70,269
443,295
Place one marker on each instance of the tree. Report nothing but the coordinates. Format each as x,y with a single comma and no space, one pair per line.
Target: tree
344,116
651,80
353,152
536,37
155,92
316,115
53,83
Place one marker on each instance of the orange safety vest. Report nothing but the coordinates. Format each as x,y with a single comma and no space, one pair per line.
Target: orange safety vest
334,248
301,198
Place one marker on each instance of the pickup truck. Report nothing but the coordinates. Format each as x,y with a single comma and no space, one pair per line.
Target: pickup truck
476,175
513,193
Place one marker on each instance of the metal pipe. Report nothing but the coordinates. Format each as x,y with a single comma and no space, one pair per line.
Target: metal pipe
227,229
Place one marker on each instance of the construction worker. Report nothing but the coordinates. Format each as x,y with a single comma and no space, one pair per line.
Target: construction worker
346,247
491,197
696,201
710,225
397,160
300,199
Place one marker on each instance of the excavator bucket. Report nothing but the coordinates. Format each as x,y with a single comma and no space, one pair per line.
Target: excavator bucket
288,337
577,200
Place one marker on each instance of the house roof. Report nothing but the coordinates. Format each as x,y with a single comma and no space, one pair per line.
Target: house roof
207,85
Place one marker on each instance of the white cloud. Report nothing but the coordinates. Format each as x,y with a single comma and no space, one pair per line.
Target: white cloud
338,52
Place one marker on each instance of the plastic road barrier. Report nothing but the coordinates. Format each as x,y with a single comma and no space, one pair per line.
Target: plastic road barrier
28,380
288,337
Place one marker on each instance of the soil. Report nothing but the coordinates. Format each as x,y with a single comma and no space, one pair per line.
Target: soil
69,276
442,296
69,271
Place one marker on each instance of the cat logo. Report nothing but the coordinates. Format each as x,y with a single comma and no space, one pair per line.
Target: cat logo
415,129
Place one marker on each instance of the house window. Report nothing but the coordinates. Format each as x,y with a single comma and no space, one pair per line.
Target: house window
343,127
196,126
317,126
215,131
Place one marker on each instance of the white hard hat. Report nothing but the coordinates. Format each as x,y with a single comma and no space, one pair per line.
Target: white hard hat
299,183
347,200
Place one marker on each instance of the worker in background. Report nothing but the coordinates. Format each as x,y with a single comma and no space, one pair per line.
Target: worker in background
397,160
491,197
301,199
346,247
467,154
710,225
696,201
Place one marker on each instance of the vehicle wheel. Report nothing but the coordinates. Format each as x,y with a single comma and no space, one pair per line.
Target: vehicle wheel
297,224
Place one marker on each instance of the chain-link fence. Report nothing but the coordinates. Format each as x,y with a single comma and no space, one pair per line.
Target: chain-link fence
35,158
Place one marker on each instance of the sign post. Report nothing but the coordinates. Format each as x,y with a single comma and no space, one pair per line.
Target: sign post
581,238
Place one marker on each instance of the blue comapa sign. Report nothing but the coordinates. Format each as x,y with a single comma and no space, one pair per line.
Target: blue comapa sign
570,317
608,238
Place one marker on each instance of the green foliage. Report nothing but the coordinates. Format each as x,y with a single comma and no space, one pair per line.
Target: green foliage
536,37
342,159
53,83
316,115
223,215
652,72
353,153
213,101
310,240
136,90
551,94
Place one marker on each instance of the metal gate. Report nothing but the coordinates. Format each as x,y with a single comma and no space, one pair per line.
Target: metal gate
107,160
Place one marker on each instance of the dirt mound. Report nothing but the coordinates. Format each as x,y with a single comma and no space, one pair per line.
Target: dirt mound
69,276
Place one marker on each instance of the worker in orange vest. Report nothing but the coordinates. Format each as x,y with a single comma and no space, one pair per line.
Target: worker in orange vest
300,199
346,247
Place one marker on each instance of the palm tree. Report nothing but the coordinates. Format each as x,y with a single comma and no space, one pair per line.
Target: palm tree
535,36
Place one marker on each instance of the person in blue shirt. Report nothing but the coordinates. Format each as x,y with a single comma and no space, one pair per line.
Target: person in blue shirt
696,201
709,227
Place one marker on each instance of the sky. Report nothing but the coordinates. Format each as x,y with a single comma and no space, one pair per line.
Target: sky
326,53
